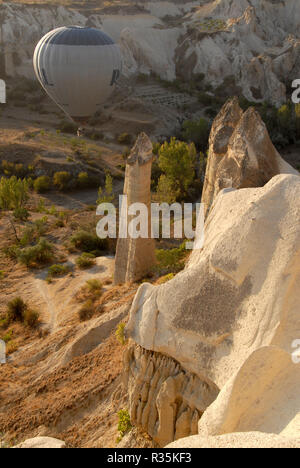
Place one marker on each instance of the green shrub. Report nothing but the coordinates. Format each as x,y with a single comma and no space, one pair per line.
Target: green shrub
120,333
40,226
177,161
124,424
40,253
16,309
83,180
171,261
87,311
14,193
88,242
57,270
42,184
31,233
41,207
165,191
107,195
166,278
30,183
86,260
61,180
15,169
94,286
31,318
61,216
21,213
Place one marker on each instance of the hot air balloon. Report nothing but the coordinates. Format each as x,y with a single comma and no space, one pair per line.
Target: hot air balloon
78,68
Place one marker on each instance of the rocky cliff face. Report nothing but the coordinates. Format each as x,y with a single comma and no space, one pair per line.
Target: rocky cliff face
251,47
229,319
241,153
217,340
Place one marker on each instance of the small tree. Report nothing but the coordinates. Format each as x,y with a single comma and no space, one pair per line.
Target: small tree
177,161
16,309
13,193
42,184
165,190
107,195
61,180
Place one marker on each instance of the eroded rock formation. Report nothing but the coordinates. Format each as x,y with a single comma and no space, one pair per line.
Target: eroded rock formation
41,442
240,440
252,46
165,400
135,257
232,315
241,153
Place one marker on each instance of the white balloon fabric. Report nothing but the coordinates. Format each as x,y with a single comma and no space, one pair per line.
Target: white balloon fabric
78,68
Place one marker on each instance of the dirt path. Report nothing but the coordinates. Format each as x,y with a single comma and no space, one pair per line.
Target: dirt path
58,296
43,290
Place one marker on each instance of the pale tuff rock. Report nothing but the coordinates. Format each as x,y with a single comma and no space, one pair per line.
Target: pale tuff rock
237,440
135,258
41,443
262,396
21,27
94,333
234,308
241,153
253,43
165,400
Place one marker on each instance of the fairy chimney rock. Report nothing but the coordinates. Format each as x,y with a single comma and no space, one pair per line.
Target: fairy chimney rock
241,153
135,257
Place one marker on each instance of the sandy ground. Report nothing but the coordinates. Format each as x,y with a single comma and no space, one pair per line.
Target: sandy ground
39,394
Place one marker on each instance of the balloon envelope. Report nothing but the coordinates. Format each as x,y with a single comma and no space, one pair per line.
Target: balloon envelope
78,68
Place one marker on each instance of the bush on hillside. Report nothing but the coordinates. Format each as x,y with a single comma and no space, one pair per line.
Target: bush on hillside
61,180
88,242
86,260
42,184
87,311
16,310
14,193
38,254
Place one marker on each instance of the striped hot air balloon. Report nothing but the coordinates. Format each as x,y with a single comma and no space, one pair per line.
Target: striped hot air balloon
78,68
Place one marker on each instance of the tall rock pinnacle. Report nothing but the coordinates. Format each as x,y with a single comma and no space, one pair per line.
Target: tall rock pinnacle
135,257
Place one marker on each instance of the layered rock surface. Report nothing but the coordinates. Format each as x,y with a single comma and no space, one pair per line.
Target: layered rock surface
165,400
241,153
